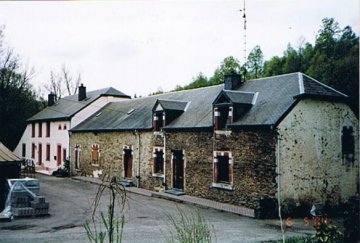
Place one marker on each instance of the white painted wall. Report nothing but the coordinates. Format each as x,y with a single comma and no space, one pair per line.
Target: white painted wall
92,108
57,136
310,158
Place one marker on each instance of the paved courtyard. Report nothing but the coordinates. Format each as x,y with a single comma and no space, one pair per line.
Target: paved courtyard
146,218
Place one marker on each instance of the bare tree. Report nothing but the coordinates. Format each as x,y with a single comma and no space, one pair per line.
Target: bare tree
63,83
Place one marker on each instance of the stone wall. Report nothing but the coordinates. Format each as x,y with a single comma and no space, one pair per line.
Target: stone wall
111,154
311,164
253,158
254,165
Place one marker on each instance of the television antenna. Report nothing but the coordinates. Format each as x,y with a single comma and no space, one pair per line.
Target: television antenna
244,18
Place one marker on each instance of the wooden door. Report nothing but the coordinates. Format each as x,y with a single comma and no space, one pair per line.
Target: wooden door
128,163
58,155
178,169
40,154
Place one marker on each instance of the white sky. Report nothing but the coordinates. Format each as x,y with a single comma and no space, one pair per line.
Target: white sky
140,46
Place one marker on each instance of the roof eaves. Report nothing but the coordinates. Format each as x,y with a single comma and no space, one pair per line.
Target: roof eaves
99,130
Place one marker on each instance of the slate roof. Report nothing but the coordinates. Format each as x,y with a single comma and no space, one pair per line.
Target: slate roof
239,97
67,107
276,96
173,105
6,155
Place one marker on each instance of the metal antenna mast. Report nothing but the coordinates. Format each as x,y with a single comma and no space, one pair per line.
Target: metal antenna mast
244,17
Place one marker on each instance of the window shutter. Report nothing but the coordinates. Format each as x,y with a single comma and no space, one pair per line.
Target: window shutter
216,118
231,115
230,171
215,170
156,123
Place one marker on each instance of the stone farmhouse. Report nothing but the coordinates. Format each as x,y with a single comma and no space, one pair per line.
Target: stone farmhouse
46,138
244,143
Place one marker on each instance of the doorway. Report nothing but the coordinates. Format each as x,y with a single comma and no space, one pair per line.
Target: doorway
178,169
128,163
58,155
40,154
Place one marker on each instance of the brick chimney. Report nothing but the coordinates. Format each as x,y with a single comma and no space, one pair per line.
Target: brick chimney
82,92
232,81
51,99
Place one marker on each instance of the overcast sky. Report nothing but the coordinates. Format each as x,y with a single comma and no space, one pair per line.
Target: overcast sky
141,46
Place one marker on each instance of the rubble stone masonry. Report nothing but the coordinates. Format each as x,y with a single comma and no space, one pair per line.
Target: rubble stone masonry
253,155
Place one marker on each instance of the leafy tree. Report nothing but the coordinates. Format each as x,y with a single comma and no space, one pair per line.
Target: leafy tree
228,65
17,98
335,60
255,63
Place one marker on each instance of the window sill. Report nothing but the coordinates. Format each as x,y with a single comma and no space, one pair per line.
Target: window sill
223,132
158,175
158,133
222,186
95,165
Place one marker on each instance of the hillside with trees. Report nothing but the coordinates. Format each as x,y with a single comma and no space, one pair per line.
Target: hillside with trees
18,100
333,60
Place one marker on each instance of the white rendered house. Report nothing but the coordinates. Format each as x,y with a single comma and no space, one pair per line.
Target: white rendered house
46,138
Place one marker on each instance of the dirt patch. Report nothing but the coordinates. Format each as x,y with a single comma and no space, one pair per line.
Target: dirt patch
65,226
18,227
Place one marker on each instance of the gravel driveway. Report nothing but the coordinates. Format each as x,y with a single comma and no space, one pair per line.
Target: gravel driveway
146,218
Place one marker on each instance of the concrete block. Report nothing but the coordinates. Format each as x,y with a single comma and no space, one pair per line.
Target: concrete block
39,199
39,205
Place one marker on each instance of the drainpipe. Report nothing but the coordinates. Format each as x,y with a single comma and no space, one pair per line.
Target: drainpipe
164,180
138,168
278,185
69,151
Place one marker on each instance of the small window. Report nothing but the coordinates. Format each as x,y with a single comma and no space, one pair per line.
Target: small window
95,154
23,153
59,127
40,130
159,120
32,130
64,127
158,167
47,152
348,145
223,169
48,129
33,150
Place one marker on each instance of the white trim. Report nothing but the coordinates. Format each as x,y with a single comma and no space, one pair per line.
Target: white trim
187,105
301,83
217,113
222,186
255,98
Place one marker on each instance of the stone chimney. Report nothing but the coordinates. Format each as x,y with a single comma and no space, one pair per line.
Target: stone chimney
82,92
51,99
232,81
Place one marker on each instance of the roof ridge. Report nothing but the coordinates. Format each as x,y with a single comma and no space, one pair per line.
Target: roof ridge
271,77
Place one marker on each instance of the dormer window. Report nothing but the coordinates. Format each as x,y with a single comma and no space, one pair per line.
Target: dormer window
222,117
166,111
229,107
159,120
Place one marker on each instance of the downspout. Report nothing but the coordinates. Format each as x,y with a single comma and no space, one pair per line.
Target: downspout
70,170
278,185
138,167
164,180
